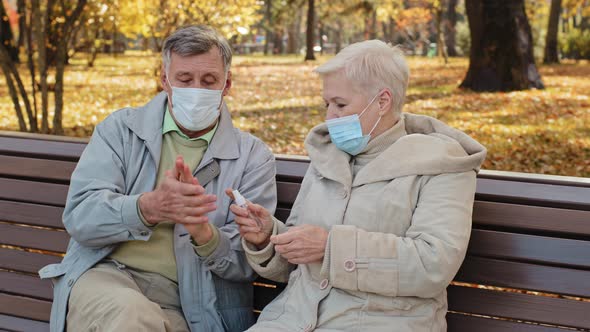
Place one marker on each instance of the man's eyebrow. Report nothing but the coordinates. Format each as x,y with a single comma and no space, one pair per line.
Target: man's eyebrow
184,73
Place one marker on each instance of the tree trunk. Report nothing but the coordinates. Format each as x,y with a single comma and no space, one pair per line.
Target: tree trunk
6,35
61,60
321,39
31,66
40,23
268,25
551,55
440,45
501,57
22,22
310,34
373,31
449,28
338,37
5,64
293,35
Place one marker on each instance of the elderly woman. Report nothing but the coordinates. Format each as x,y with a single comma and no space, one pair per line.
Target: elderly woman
383,217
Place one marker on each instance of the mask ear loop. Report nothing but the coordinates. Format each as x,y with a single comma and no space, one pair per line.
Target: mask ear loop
222,89
366,108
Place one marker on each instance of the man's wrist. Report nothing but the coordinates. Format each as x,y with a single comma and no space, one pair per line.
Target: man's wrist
143,204
202,234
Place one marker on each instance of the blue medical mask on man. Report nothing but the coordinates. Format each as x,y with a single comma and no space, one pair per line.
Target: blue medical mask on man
194,108
347,133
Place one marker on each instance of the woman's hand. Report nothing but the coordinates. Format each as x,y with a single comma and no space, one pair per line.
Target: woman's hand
247,225
302,244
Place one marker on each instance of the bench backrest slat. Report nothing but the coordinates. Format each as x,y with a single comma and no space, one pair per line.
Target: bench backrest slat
31,214
535,219
33,192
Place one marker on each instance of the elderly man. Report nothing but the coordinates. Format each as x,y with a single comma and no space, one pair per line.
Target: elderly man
154,245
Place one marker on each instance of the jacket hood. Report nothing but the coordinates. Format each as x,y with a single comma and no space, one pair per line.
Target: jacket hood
427,147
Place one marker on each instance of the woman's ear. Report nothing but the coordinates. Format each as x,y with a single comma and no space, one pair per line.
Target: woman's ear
385,102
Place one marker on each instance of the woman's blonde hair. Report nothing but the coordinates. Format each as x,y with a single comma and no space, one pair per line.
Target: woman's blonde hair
372,66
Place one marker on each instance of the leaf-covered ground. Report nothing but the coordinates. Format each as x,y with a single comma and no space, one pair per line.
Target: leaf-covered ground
278,99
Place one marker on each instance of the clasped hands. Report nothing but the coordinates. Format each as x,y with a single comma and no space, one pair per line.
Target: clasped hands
301,244
180,198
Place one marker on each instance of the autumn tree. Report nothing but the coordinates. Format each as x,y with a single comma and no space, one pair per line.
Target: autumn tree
501,55
59,18
310,32
551,55
449,27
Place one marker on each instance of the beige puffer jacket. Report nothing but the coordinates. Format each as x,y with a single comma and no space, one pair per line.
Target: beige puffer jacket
398,234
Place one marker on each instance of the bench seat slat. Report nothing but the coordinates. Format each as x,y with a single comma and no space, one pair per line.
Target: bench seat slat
525,276
532,218
464,323
530,248
33,192
38,169
531,308
24,307
23,261
31,214
35,238
12,323
25,285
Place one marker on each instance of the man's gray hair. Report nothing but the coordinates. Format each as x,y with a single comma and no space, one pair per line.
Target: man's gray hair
194,40
372,65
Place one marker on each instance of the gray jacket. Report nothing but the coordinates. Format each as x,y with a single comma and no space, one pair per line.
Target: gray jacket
118,165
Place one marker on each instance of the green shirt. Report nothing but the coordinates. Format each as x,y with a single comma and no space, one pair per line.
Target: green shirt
157,254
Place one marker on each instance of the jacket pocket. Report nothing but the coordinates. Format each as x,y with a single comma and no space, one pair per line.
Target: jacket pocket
379,275
399,306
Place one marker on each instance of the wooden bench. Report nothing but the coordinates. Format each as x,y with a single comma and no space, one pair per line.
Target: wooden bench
529,250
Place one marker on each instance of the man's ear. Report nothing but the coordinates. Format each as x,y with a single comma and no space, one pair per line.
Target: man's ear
164,79
227,83
385,102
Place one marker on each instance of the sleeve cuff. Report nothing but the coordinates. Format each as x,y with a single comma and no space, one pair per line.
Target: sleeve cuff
132,220
261,256
342,253
208,248
141,217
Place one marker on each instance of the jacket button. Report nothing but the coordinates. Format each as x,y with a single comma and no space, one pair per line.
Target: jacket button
144,233
324,284
309,328
70,282
344,193
349,265
210,263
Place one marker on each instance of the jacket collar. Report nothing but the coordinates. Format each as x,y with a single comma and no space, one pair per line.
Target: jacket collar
430,147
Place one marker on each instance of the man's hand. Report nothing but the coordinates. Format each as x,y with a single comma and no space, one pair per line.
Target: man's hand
180,199
301,244
248,227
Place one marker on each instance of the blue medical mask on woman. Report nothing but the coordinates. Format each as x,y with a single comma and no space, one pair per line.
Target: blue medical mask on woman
347,134
196,109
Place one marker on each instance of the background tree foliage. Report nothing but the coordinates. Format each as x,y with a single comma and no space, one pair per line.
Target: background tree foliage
67,64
